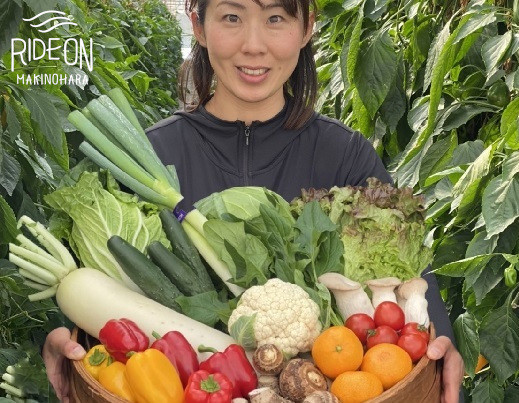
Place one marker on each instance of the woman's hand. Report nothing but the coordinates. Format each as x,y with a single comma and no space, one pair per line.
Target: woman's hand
57,349
453,369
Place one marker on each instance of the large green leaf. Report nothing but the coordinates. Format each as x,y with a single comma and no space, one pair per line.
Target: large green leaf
488,391
499,338
395,103
465,267
10,18
37,6
466,332
494,50
477,21
10,171
478,169
375,70
46,115
437,156
354,48
499,204
7,223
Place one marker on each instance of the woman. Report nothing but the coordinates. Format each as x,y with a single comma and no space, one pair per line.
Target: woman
258,127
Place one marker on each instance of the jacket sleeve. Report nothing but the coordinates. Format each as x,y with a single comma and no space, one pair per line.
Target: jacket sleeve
368,164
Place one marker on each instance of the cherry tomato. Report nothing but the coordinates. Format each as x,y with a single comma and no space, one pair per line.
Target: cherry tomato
390,314
382,334
360,323
415,328
414,344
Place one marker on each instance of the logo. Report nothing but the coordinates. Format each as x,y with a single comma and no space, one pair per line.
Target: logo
72,51
53,27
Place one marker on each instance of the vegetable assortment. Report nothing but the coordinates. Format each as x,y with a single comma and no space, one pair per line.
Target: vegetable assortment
331,273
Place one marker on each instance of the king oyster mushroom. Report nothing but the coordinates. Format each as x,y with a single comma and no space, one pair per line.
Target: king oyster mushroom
383,289
415,307
349,295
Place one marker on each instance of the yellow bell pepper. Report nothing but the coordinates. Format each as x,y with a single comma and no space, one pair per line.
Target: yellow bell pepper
113,378
153,378
96,359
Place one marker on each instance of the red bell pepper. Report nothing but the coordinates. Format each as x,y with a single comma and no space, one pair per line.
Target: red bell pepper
233,363
178,350
204,387
121,336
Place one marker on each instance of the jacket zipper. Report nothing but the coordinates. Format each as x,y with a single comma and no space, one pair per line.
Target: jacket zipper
246,157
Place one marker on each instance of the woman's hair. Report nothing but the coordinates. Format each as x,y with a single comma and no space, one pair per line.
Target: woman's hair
301,86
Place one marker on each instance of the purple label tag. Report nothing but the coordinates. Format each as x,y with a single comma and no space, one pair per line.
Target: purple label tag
180,214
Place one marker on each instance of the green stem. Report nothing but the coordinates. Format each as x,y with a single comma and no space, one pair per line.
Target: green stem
41,274
210,256
30,245
48,240
35,285
56,269
11,389
206,349
48,293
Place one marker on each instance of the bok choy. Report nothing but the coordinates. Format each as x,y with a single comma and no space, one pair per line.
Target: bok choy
117,142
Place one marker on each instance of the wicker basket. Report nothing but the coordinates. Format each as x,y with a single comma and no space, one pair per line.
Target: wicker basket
421,385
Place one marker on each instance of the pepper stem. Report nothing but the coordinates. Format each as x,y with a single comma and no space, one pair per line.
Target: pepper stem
209,385
156,335
204,349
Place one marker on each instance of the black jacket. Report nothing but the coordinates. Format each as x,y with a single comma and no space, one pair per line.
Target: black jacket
211,155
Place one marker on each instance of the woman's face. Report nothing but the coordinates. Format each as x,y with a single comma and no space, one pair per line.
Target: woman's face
252,49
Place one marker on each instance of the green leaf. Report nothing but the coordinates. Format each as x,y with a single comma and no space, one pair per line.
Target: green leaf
7,223
205,308
499,338
499,204
466,332
488,391
9,356
13,124
46,115
464,267
511,394
375,70
10,172
494,50
395,103
10,18
509,118
243,331
354,48
476,21
37,6
437,157
478,169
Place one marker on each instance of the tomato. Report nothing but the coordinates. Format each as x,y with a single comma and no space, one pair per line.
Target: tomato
414,344
415,328
498,94
360,323
390,314
382,334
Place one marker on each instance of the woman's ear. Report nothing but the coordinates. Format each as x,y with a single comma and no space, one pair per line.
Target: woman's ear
198,29
309,29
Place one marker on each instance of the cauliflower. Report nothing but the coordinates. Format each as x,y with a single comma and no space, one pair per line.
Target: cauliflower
276,313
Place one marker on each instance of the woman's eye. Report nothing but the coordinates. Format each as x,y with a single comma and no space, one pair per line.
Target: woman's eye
231,18
275,19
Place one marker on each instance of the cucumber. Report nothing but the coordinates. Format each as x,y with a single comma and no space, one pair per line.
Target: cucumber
148,277
175,269
184,249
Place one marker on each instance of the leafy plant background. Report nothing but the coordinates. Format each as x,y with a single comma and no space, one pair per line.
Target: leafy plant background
434,86
136,48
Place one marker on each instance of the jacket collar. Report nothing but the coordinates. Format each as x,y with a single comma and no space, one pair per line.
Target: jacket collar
224,141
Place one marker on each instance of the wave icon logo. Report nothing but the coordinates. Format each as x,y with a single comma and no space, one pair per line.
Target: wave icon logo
65,20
